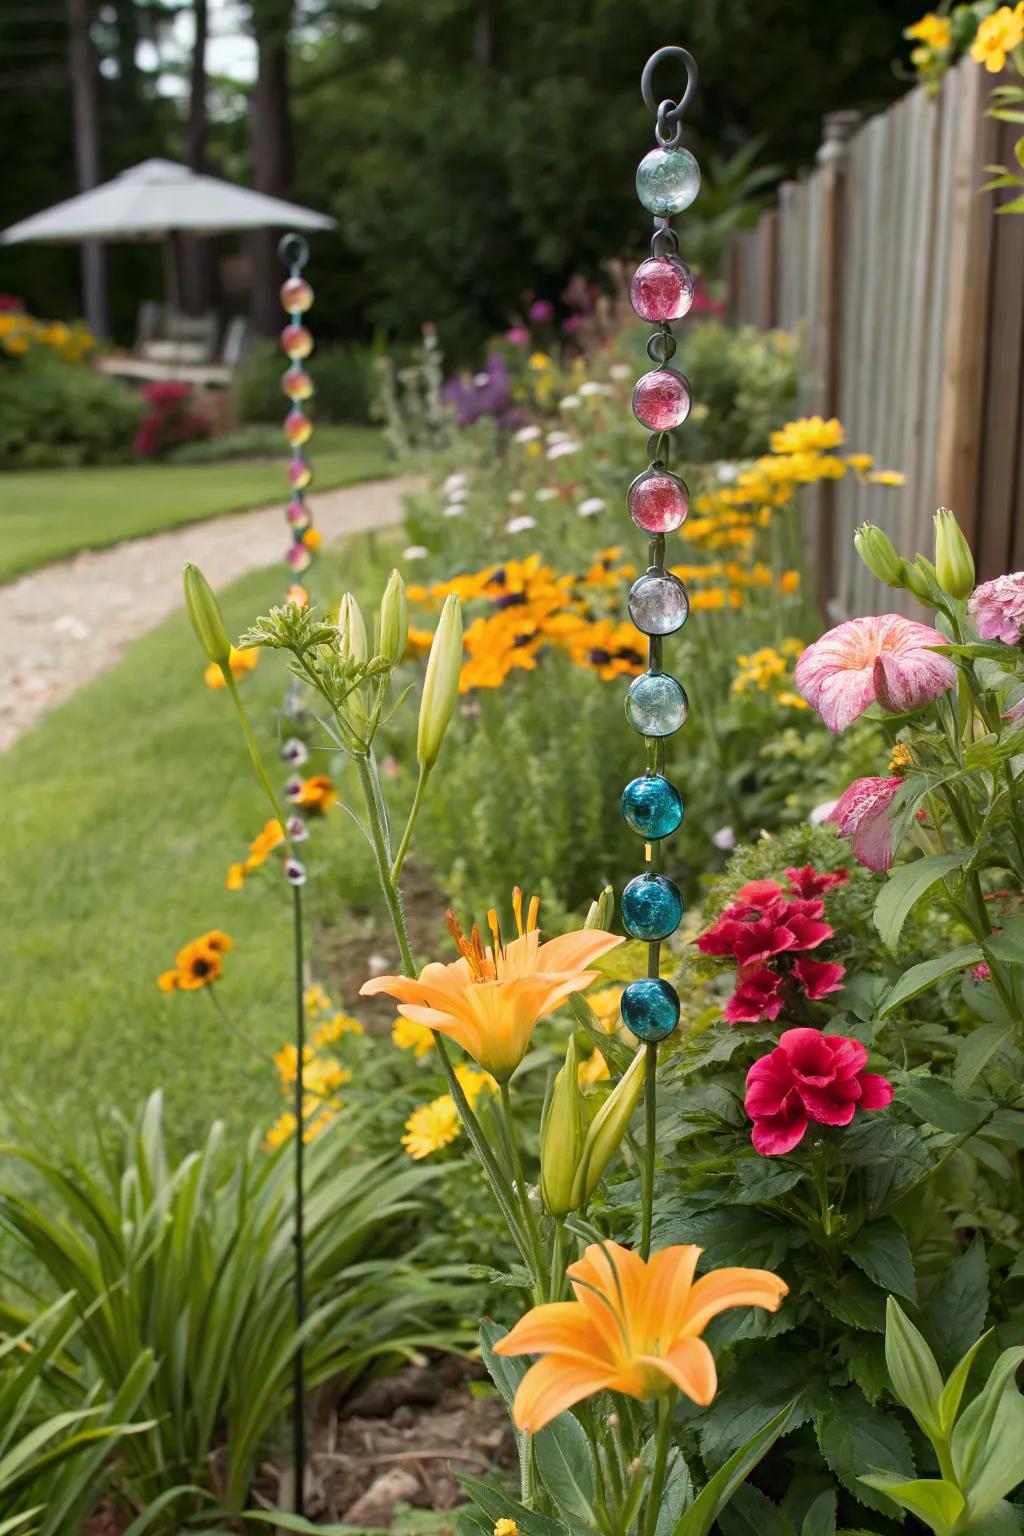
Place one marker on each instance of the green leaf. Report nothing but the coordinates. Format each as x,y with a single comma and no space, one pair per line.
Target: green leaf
1007,947
986,1444
1016,204
852,1299
881,1250
853,1437
820,1519
497,1505
935,1100
565,1462
677,1494
954,1315
912,1369
975,1052
938,1504
752,1513
953,1391
908,884
715,1495
920,977
763,1178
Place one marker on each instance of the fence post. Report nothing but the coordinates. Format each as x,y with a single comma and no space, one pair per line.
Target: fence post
837,130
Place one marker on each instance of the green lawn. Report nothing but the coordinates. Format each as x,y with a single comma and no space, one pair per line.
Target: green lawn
122,811
49,514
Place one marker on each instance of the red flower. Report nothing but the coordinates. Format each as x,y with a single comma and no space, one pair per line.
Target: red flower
810,882
809,1076
758,996
819,977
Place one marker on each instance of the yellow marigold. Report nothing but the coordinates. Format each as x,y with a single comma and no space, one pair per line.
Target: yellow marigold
902,758
593,1070
236,877
322,1076
789,582
239,662
934,31
334,1029
809,432
791,700
315,999
431,1127
887,477
412,1037
287,1061
998,35
506,1528
714,597
539,361
474,1081
860,461
282,1130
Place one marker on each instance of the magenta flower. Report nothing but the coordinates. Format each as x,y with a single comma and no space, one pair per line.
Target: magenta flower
884,660
541,311
809,1076
517,336
819,977
998,608
758,996
862,814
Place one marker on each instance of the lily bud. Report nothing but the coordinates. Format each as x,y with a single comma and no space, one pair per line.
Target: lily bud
394,620
441,684
921,580
204,612
607,1129
351,630
954,563
561,1142
879,554
602,911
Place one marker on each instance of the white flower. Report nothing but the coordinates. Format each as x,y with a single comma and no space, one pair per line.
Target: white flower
558,436
296,829
619,371
458,494
295,871
724,838
822,812
591,507
415,552
546,493
454,509
515,497
726,473
519,524
295,751
378,964
569,403
481,380
592,387
559,450
526,435
454,483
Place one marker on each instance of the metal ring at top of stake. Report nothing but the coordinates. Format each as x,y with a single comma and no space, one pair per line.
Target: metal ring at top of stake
293,250
669,113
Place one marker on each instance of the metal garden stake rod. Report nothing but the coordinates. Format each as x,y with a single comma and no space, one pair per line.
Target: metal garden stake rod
667,181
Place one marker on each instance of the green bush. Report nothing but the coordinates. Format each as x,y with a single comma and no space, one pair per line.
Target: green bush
54,415
341,372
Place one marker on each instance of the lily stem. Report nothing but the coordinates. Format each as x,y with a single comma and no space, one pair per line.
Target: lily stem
529,1218
647,1166
417,802
663,1445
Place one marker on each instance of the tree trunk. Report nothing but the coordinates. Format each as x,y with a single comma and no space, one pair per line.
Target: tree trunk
271,142
196,255
85,117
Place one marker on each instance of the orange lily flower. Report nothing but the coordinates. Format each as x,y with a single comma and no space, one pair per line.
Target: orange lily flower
633,1328
489,1000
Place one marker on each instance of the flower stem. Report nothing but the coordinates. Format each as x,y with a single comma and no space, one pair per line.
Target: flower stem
529,1217
417,802
236,1029
663,1445
254,751
647,1166
298,1361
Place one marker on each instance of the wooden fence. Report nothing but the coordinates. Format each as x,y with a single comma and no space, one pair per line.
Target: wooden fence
908,293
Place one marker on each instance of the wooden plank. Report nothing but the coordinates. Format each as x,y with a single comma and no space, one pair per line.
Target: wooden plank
999,503
768,307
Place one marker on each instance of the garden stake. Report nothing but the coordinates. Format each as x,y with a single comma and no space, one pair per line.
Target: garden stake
667,181
297,298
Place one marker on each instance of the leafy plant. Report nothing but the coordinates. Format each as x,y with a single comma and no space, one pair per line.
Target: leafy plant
52,414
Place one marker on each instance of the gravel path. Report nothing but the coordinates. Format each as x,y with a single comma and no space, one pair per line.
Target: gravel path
51,641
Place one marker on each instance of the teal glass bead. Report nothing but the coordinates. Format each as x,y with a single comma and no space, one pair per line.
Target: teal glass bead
656,705
667,181
658,604
652,806
652,907
650,1008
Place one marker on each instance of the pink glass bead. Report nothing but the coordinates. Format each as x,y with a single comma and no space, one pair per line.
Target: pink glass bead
296,295
296,341
658,502
662,289
298,429
297,384
298,557
661,400
297,514
300,474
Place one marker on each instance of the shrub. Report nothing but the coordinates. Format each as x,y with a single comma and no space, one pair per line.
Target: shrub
169,421
341,372
52,415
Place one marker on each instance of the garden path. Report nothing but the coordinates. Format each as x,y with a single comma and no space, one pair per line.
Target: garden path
65,624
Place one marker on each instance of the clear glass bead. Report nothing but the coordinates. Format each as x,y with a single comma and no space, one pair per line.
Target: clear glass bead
298,429
656,705
651,806
652,907
667,181
658,501
661,399
662,289
650,1008
297,384
296,341
296,295
658,604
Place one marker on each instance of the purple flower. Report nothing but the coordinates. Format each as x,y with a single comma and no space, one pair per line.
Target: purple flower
998,608
571,324
541,312
488,393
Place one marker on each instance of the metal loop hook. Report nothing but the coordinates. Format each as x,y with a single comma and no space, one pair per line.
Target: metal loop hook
293,250
668,111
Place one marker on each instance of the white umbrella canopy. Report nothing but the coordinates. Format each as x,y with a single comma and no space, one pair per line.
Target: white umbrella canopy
156,199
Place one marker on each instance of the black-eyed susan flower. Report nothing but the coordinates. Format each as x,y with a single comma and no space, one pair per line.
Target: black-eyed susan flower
197,965
316,793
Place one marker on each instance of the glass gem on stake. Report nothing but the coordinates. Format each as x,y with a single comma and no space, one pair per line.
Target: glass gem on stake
661,289
658,604
667,181
296,295
652,907
651,806
297,384
658,502
296,341
661,399
656,705
297,428
650,1008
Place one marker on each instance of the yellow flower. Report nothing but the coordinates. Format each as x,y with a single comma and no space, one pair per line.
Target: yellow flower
412,1037
431,1127
334,1029
605,1004
287,1061
792,700
196,965
239,662
714,597
887,477
315,1000
934,31
312,538
473,1082
902,758
506,1528
236,877
789,582
998,35
539,361
810,432
282,1130
317,793
594,1070
860,461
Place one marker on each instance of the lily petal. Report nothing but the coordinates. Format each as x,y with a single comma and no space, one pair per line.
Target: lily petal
690,1366
724,1288
552,1385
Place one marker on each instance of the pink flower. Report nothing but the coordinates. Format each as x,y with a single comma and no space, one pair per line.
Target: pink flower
998,608
758,996
517,336
809,882
862,815
809,1076
981,972
819,977
1015,711
875,659
541,311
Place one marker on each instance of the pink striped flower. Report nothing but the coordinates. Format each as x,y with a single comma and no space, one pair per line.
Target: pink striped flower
998,608
864,661
862,815
809,1076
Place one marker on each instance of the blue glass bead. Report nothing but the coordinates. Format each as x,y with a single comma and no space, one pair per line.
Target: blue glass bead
658,604
667,181
656,705
652,806
650,1008
652,907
